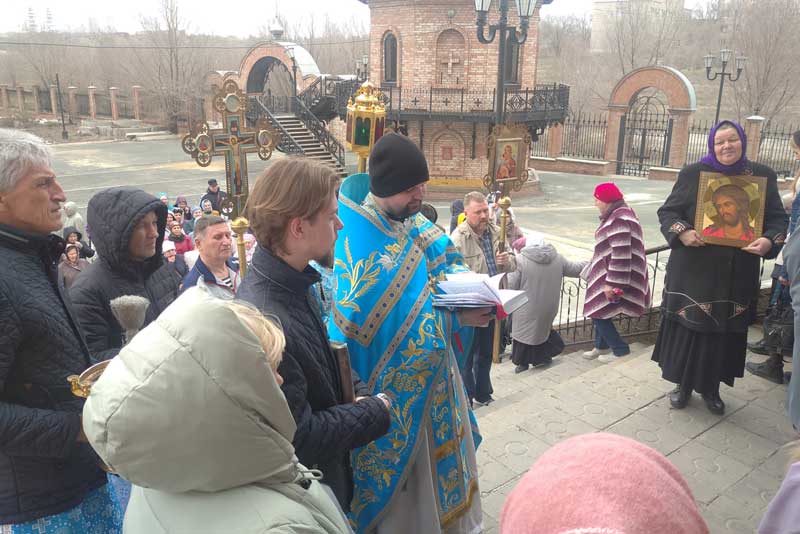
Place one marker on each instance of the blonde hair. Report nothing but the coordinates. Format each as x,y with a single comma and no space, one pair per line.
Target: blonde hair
268,332
289,188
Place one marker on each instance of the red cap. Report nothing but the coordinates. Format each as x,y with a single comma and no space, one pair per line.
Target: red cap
607,192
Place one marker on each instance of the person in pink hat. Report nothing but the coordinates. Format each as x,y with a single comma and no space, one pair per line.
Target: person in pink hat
616,278
602,484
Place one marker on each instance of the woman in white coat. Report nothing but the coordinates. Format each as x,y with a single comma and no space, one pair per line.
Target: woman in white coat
540,270
192,414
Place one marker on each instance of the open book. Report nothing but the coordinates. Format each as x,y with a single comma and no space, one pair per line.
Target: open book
473,290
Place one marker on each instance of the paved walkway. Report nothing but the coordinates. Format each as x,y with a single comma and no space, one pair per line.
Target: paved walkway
734,464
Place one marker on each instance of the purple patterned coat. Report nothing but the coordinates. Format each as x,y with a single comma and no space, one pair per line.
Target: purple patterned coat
619,261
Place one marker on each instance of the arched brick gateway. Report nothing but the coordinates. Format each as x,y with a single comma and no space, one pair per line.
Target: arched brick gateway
259,57
681,103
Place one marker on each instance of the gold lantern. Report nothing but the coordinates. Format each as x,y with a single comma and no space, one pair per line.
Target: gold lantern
366,122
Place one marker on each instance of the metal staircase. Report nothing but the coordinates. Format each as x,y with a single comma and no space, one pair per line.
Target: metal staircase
311,146
302,134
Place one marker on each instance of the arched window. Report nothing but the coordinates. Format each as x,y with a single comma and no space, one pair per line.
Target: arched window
511,74
390,58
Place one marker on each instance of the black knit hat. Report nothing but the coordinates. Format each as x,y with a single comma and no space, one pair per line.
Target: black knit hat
395,165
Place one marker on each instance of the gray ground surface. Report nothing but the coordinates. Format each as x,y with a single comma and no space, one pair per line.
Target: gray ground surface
734,463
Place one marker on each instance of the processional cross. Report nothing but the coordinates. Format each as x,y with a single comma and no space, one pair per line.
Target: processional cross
233,141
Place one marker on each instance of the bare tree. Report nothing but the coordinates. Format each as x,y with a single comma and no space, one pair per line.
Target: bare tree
175,66
643,32
766,32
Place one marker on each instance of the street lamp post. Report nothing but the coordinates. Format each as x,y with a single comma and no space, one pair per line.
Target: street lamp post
725,57
291,54
503,31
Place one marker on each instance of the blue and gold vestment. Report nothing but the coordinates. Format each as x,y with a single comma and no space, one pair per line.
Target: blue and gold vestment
406,348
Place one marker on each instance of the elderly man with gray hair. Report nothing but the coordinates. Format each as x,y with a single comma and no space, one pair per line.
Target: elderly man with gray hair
50,478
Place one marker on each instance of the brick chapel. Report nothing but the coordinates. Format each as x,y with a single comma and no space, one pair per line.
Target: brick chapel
426,57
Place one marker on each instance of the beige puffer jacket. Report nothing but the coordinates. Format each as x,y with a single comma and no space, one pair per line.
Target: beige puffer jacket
191,413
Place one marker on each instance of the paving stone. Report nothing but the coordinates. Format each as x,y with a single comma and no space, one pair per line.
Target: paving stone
658,436
774,400
492,474
490,525
707,471
755,491
628,392
764,423
726,516
492,502
590,407
748,388
738,443
690,421
516,449
553,425
562,370
777,465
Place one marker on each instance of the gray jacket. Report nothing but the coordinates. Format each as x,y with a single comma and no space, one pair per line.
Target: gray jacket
540,269
791,260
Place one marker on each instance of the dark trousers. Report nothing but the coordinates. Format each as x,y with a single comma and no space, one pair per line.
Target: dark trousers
606,336
479,364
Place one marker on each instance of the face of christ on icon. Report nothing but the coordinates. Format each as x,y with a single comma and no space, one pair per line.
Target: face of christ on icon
733,220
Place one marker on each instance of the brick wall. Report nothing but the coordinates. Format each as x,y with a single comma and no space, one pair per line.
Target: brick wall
428,30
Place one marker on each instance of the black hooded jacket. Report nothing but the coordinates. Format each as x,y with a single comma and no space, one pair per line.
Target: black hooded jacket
84,250
114,213
43,468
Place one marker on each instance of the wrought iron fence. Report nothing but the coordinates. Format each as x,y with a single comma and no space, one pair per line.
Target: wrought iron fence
102,105
775,150
45,106
320,132
577,329
544,103
539,148
257,109
698,140
83,104
277,104
125,107
584,136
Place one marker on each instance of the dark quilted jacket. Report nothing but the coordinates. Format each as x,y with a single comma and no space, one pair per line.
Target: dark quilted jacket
326,429
43,469
113,214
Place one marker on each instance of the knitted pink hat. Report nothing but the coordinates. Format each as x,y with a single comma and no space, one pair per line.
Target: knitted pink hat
607,192
601,484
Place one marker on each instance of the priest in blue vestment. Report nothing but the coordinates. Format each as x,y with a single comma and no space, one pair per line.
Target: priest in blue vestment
421,477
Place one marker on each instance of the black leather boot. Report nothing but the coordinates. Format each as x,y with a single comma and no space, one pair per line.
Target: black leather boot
772,369
679,398
759,347
714,403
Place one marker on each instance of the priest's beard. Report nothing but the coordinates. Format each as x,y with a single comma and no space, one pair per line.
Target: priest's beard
412,208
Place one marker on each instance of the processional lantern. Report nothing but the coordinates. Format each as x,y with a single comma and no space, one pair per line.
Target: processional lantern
366,122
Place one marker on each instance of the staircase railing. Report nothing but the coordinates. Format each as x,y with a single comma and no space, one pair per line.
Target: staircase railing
320,132
257,109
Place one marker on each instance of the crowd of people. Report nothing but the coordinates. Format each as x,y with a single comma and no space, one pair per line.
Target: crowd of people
324,392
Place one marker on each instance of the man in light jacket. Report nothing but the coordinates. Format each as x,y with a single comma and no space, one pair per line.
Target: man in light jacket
478,239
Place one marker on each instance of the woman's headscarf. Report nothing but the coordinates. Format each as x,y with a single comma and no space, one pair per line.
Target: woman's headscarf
710,159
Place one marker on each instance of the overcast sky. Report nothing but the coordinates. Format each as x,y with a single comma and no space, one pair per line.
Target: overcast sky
204,18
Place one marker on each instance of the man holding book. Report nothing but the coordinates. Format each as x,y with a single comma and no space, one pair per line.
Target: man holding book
478,239
293,214
422,476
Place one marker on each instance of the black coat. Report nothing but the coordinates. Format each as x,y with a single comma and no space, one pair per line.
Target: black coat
117,211
714,289
43,469
327,430
84,250
216,199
